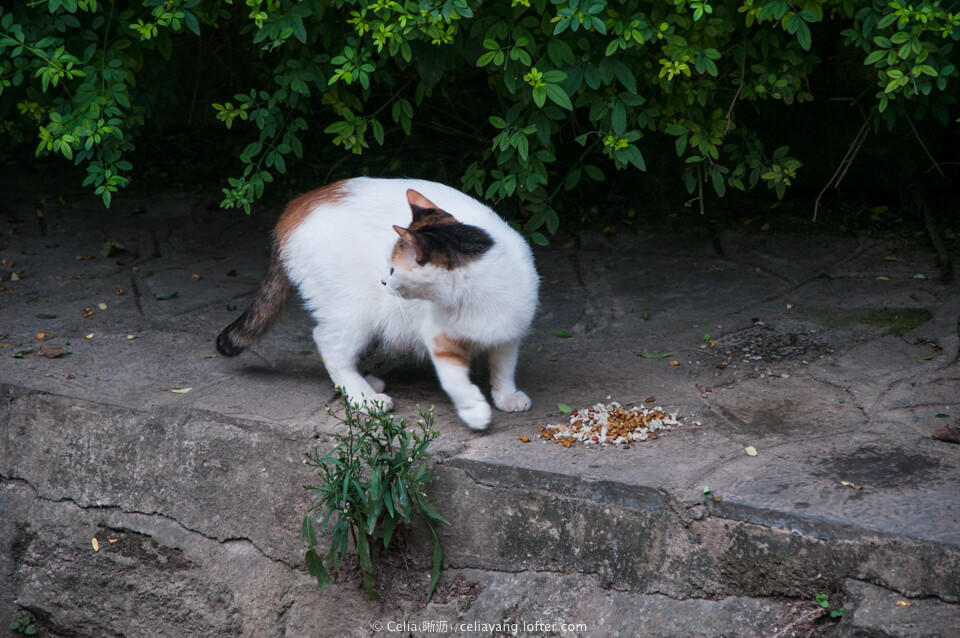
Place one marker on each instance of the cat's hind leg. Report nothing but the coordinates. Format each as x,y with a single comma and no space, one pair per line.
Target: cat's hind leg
340,355
503,365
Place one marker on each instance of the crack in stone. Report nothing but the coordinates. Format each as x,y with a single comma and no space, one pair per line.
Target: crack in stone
154,514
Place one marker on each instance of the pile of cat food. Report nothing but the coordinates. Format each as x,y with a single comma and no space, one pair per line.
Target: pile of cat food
611,424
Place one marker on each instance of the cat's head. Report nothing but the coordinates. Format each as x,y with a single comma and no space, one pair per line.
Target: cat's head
431,253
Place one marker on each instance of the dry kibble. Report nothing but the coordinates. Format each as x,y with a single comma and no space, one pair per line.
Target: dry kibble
611,425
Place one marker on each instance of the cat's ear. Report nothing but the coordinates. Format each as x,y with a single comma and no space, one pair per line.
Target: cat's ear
419,243
419,205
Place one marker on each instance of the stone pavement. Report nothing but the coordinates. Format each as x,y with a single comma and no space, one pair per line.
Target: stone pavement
835,358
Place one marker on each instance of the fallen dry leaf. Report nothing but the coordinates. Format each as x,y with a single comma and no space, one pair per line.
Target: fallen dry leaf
903,603
102,306
750,450
196,276
89,336
121,291
948,433
673,362
524,438
96,544
87,312
14,277
49,352
851,485
43,335
179,390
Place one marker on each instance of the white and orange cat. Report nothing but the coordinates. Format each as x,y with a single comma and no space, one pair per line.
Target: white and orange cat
415,265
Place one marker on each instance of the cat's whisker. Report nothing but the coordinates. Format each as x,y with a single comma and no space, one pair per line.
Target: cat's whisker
403,311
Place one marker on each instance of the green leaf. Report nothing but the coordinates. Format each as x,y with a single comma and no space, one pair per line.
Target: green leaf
618,118
437,562
389,524
540,95
558,96
655,355
595,173
928,357
803,35
563,407
307,532
430,511
563,334
315,568
875,56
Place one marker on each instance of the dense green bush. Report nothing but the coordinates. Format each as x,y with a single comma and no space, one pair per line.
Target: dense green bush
564,89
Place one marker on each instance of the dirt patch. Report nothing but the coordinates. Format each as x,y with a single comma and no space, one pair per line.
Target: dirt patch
141,548
880,468
403,584
778,341
886,321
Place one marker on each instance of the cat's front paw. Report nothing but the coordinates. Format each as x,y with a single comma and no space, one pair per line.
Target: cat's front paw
377,384
515,402
376,403
476,415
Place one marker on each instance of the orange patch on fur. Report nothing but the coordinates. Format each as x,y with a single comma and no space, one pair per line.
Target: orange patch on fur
301,207
398,256
451,351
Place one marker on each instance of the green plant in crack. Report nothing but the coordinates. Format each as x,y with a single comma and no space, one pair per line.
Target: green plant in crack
372,481
24,626
824,601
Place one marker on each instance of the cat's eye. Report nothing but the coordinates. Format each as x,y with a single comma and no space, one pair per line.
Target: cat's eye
391,270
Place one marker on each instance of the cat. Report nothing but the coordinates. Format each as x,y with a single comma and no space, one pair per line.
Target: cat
416,265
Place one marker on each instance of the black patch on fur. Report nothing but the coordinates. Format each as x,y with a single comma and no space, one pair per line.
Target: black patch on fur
454,242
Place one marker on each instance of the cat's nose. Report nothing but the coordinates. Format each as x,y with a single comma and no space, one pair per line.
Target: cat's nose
383,281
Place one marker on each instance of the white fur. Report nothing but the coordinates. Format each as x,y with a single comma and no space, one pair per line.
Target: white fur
339,259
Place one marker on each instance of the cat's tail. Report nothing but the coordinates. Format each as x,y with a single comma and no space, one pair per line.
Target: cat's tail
272,297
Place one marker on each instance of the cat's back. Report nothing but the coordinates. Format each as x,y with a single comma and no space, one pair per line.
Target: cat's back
366,209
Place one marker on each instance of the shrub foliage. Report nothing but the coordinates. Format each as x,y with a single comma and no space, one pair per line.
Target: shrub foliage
565,89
